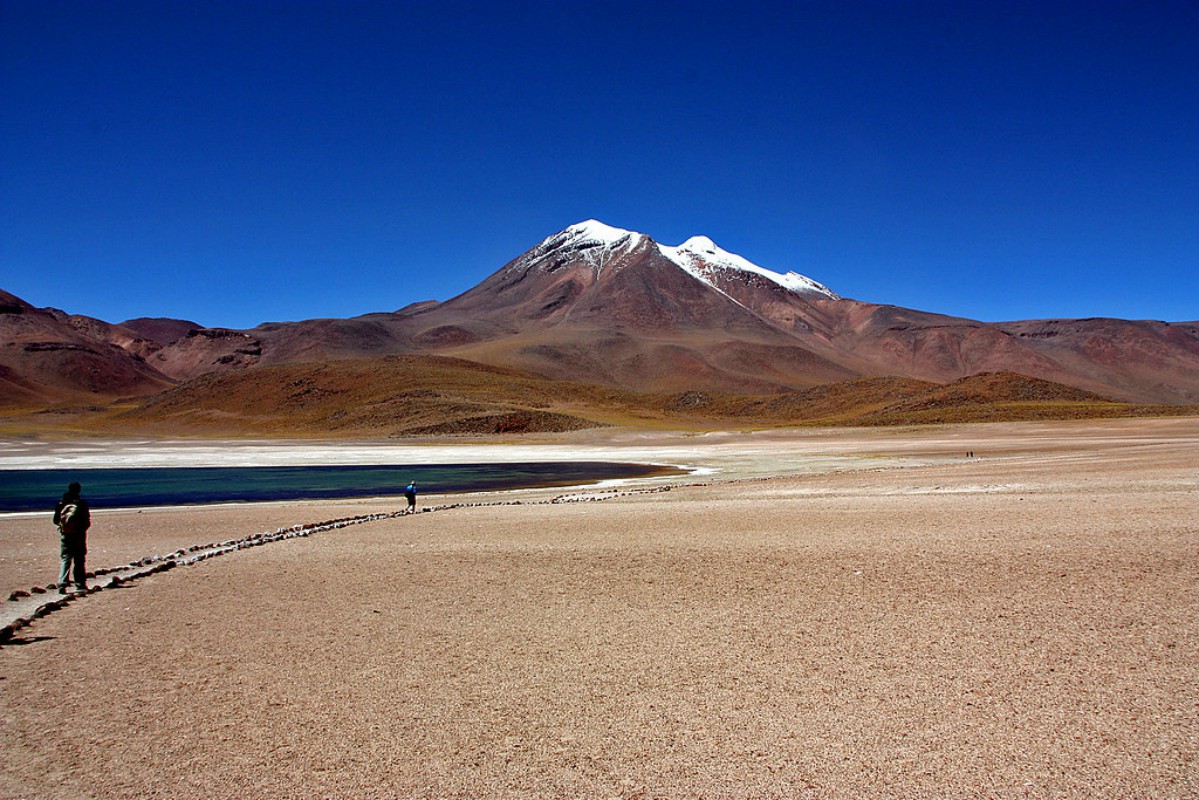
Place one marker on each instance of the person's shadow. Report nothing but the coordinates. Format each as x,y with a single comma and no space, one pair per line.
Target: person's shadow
20,641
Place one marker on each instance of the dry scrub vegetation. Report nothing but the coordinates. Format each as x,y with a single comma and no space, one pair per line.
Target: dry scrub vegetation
402,396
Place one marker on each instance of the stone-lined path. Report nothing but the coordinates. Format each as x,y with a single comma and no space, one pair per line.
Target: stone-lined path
21,608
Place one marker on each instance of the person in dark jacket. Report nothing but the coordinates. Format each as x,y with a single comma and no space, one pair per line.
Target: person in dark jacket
73,518
410,493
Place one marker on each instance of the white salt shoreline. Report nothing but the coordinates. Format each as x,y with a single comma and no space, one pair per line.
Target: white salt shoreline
705,454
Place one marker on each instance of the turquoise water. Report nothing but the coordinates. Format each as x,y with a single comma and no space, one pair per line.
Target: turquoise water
38,490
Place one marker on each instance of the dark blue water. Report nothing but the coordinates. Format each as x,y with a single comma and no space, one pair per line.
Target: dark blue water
38,490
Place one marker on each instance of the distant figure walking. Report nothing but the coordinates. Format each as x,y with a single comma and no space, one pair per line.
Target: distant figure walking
73,518
410,493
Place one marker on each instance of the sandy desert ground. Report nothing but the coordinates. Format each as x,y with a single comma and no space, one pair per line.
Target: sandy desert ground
827,614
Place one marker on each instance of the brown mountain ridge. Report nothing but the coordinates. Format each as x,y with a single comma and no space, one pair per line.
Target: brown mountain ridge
613,310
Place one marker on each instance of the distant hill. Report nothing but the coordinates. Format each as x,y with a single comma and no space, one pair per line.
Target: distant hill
1001,397
161,330
50,357
407,396
392,396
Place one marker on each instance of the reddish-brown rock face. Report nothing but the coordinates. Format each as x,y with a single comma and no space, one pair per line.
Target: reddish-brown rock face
47,356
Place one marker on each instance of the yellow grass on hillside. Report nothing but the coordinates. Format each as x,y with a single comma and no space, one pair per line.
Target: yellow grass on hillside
404,396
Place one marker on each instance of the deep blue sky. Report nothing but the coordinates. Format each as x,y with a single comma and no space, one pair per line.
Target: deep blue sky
238,162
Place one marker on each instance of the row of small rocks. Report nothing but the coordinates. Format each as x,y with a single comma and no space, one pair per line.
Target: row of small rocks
31,605
24,607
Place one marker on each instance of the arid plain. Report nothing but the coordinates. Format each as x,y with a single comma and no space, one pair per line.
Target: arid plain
824,613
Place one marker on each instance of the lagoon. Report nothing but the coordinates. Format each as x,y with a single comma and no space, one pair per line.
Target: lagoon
38,490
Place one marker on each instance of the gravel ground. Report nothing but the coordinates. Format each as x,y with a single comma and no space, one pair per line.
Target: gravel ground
1022,625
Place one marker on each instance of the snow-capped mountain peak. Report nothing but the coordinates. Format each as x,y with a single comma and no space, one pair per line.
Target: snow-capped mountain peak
704,259
701,244
592,230
598,244
591,241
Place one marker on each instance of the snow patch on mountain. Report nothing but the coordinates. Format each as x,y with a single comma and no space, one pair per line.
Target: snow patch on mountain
704,259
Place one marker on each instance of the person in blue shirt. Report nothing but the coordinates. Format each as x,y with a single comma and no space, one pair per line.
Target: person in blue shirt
410,493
